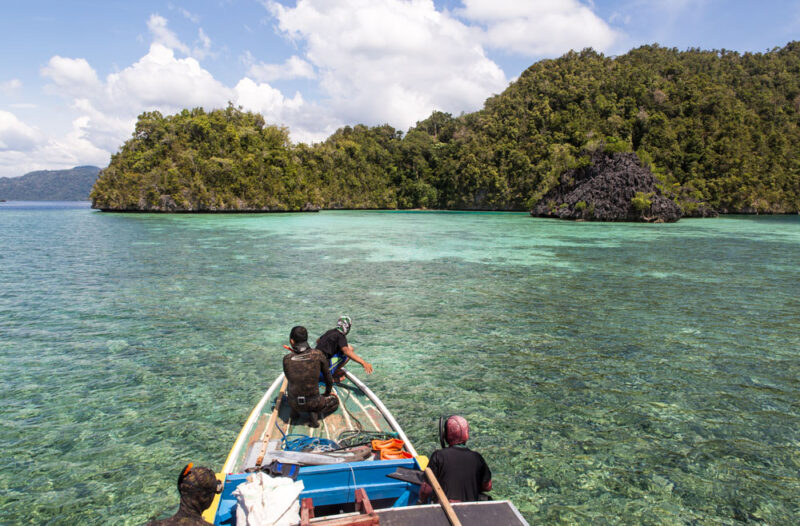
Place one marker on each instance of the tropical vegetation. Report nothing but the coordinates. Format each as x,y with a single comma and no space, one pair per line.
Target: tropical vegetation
719,129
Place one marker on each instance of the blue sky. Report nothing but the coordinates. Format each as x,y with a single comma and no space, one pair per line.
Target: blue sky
74,75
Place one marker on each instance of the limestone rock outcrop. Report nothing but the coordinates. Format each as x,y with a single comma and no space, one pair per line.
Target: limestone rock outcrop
612,187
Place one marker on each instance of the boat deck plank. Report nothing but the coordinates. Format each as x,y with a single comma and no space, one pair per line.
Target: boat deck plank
355,412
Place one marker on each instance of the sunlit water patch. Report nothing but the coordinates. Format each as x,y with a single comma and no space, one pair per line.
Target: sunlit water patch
612,373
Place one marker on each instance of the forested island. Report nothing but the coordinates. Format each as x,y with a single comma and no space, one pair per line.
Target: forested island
718,130
73,184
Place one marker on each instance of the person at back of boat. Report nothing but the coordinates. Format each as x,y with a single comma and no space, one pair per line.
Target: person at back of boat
334,346
462,473
303,368
197,486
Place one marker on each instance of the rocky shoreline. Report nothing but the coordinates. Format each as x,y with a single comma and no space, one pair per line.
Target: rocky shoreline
167,205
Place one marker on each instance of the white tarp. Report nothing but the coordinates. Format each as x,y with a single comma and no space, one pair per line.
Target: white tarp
267,501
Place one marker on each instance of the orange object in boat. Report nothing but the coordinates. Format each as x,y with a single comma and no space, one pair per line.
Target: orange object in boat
394,454
392,443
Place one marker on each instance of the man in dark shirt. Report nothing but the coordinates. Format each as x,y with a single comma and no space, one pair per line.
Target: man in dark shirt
334,346
303,367
197,487
462,473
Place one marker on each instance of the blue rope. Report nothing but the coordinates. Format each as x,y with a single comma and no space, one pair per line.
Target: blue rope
307,443
281,430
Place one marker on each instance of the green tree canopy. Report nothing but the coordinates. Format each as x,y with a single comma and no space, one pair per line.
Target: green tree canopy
718,128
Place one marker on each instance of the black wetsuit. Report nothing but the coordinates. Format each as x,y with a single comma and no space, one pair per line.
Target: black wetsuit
302,368
461,472
190,512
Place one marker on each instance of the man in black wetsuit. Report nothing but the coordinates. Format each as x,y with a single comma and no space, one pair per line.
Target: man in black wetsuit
462,473
197,487
334,346
302,368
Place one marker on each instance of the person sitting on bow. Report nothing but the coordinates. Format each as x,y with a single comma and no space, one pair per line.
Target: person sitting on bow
334,346
303,368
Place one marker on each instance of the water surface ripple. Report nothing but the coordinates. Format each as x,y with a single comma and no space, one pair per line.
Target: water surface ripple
611,373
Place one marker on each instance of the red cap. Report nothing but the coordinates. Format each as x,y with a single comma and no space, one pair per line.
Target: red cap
457,430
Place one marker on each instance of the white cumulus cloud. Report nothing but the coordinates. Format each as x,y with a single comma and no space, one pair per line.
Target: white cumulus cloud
158,81
308,122
161,81
390,60
10,86
72,149
71,76
265,99
188,15
75,148
15,135
203,49
106,109
539,27
164,35
293,68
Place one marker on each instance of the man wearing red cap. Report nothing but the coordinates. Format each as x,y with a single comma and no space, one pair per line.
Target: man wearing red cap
462,473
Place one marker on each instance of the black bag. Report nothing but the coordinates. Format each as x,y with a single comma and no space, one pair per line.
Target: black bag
279,469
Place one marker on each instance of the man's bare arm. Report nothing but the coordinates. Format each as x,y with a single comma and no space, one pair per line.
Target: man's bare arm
350,353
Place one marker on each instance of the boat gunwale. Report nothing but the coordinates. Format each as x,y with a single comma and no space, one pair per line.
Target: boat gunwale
257,411
255,414
384,411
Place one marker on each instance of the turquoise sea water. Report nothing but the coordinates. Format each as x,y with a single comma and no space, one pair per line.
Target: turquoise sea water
611,373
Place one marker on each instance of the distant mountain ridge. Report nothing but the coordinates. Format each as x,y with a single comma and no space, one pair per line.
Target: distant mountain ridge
74,184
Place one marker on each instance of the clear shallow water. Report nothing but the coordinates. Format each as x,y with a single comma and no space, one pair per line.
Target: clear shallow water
612,373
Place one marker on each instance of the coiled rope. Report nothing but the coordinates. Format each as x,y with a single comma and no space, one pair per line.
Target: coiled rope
358,437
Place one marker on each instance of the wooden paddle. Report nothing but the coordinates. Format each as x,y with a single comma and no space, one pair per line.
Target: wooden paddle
271,424
448,509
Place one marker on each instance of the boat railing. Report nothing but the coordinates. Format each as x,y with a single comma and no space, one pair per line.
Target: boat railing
236,450
384,411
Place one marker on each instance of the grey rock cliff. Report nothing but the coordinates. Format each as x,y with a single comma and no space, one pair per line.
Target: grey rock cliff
605,190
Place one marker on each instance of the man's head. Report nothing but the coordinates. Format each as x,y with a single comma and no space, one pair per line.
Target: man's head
198,485
299,334
343,324
456,430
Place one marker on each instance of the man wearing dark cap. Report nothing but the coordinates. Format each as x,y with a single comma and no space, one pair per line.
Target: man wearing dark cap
197,486
462,473
303,368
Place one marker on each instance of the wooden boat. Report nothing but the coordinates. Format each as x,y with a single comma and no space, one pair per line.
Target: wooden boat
352,484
